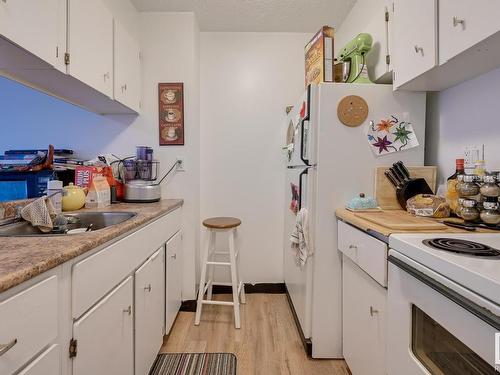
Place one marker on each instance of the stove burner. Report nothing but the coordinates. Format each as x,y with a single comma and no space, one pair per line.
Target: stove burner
462,247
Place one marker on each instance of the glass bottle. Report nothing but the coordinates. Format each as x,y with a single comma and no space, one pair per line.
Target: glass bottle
469,212
451,184
490,188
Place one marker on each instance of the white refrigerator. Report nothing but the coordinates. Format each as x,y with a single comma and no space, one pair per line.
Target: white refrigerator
328,163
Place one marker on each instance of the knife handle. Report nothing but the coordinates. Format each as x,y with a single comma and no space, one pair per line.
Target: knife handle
400,173
391,178
405,170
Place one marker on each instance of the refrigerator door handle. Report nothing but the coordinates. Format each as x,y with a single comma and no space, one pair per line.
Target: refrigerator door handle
302,131
302,174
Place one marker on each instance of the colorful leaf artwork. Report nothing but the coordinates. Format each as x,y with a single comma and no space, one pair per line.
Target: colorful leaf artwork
391,135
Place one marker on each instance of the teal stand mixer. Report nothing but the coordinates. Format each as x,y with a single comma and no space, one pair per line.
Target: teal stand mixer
354,54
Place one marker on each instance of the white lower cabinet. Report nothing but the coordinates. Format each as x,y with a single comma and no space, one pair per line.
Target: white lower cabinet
46,363
364,314
173,289
104,335
149,310
28,324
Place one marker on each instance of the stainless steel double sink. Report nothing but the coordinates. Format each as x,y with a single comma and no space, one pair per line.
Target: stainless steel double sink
96,220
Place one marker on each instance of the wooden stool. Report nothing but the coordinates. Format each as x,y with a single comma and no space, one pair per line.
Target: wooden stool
214,225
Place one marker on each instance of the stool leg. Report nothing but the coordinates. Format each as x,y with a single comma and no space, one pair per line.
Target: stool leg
201,290
234,281
240,279
211,268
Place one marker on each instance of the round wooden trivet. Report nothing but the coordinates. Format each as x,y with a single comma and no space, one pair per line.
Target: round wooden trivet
352,110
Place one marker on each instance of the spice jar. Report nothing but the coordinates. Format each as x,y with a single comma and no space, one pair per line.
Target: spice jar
490,214
490,188
459,206
469,212
469,187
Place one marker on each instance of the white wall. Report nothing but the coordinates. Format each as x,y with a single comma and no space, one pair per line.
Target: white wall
247,79
32,119
466,114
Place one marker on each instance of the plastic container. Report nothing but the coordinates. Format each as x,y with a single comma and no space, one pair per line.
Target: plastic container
55,191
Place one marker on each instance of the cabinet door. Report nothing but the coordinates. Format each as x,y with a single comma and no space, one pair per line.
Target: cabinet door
463,23
149,311
35,26
415,39
105,335
46,363
127,78
173,285
90,44
364,309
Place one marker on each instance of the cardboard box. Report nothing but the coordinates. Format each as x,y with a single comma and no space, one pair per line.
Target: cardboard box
319,57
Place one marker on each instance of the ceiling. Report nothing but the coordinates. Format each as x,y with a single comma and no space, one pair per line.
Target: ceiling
256,15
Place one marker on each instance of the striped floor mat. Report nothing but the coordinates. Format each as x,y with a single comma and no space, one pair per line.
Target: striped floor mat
194,364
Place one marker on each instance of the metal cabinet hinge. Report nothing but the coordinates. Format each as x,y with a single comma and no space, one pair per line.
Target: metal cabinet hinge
66,58
386,16
73,346
388,59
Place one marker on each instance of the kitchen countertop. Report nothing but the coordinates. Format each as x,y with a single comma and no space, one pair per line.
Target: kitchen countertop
22,258
383,232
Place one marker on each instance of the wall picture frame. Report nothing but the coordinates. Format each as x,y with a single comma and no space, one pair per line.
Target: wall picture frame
171,114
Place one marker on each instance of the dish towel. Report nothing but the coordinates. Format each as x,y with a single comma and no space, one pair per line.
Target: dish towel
301,244
40,213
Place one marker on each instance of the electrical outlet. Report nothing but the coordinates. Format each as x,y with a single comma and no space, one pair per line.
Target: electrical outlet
471,155
180,166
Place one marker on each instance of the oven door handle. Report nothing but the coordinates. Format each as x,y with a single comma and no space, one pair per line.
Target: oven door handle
479,311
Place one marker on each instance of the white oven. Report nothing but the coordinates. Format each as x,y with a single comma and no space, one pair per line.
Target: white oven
436,326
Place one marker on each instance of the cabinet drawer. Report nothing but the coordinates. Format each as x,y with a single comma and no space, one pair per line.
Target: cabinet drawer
96,275
367,252
29,317
46,363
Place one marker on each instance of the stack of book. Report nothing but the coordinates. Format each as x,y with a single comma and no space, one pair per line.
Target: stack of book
64,159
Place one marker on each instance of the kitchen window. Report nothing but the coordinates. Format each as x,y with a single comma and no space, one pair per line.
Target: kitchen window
442,353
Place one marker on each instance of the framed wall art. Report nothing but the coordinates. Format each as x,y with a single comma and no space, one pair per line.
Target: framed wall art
171,113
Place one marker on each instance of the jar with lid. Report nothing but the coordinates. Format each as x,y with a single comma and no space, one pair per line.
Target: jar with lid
490,214
459,206
469,211
469,187
490,188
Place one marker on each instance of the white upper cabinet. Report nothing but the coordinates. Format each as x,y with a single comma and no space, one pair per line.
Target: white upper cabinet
464,23
127,65
415,39
36,26
90,44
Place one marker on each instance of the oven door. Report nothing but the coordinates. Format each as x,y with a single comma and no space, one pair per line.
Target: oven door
436,326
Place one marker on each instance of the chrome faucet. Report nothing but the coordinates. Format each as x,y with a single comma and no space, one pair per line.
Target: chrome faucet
17,217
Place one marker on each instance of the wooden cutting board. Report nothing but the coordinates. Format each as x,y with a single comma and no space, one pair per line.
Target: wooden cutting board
385,192
400,220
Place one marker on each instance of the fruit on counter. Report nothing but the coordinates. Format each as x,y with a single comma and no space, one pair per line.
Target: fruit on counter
73,197
451,192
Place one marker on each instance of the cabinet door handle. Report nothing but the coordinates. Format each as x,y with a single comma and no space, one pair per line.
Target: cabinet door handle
128,310
106,76
353,247
418,49
174,256
457,21
148,288
373,311
4,348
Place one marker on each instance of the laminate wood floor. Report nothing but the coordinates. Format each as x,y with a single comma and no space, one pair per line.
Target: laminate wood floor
268,342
